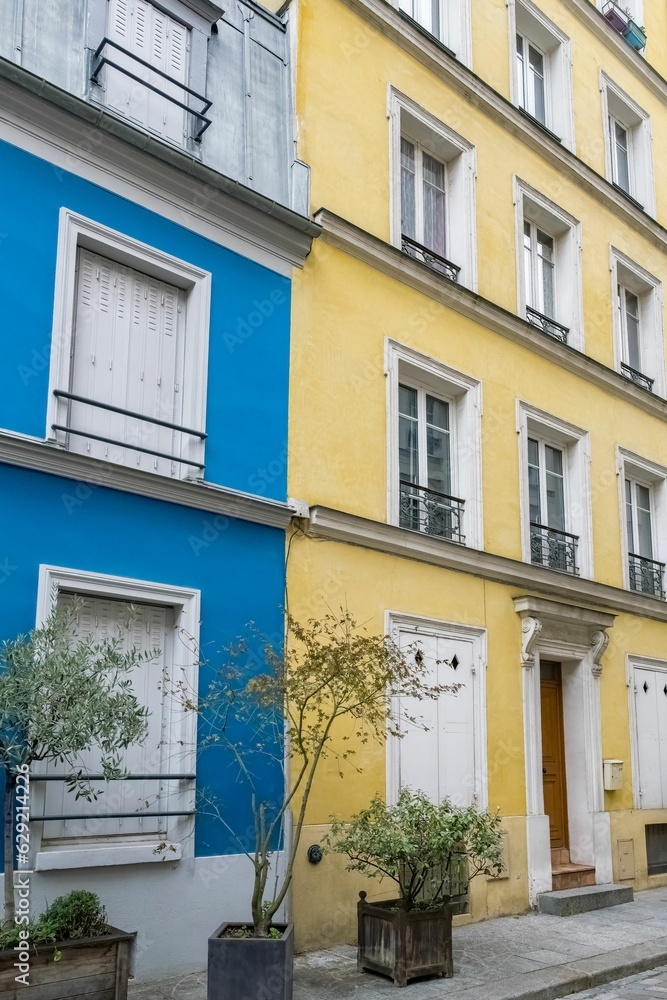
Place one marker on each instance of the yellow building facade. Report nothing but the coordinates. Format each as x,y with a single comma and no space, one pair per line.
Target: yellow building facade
478,415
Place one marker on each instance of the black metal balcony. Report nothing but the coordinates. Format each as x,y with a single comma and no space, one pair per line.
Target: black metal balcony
637,377
430,258
646,575
547,325
101,60
432,512
553,548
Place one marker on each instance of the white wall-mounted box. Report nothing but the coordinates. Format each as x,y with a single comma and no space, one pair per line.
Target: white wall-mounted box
613,774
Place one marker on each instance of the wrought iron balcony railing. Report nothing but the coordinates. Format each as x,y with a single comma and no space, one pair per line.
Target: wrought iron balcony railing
547,324
133,446
430,258
101,59
637,377
646,575
434,513
553,548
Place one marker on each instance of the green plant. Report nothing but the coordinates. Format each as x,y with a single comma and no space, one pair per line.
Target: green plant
62,695
416,844
332,679
75,916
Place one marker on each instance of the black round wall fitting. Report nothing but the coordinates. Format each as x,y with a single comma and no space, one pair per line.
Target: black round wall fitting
315,854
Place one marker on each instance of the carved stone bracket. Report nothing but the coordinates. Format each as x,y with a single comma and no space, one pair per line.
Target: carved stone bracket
530,633
599,642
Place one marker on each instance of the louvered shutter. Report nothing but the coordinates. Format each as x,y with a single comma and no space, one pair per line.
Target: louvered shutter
440,759
149,630
160,41
128,352
651,719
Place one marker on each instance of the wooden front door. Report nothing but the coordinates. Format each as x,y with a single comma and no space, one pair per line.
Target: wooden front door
553,752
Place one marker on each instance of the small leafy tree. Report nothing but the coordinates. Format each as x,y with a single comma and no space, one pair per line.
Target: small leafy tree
332,688
62,695
417,843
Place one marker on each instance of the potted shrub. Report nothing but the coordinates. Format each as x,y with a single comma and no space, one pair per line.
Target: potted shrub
416,844
61,695
284,707
72,932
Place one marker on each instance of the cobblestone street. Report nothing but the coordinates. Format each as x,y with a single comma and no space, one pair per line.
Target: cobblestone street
646,986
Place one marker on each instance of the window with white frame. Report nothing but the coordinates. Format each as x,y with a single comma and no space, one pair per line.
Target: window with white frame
644,521
445,755
446,20
638,323
628,145
434,448
129,361
541,71
149,65
433,192
548,266
647,688
127,821
555,502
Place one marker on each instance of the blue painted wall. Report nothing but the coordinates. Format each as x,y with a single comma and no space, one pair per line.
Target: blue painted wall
249,344
238,566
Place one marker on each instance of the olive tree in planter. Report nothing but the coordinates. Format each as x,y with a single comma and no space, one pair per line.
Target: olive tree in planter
328,691
416,844
60,696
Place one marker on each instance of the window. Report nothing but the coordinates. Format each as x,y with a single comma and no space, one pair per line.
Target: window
628,145
150,64
454,742
638,323
644,509
129,387
548,266
656,845
434,448
446,20
541,74
160,769
555,497
647,681
433,192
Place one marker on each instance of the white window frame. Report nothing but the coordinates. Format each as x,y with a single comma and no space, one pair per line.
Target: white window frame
575,445
395,623
632,466
528,20
632,661
649,291
566,231
616,103
409,120
464,394
77,231
182,731
456,33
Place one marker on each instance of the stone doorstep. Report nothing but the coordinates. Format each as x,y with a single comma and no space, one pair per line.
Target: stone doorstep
566,902
571,876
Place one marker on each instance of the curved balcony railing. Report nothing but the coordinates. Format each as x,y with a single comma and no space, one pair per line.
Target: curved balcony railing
547,324
637,377
429,257
432,512
553,548
646,575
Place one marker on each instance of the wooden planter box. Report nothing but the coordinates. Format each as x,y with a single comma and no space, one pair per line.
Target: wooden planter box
404,944
97,967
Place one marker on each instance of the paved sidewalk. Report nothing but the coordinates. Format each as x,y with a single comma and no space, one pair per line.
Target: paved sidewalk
646,986
532,957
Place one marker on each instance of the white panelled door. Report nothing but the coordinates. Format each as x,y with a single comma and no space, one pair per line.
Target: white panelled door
651,719
441,760
128,352
157,39
150,630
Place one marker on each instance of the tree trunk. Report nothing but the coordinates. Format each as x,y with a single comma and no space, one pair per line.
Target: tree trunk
10,787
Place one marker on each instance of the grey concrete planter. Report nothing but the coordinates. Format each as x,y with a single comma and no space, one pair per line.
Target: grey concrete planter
404,944
98,968
250,968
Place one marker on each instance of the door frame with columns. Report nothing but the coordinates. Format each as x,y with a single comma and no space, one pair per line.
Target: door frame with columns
577,637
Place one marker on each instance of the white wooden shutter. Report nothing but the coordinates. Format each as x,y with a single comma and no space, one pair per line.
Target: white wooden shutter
161,41
651,718
128,352
441,760
150,630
